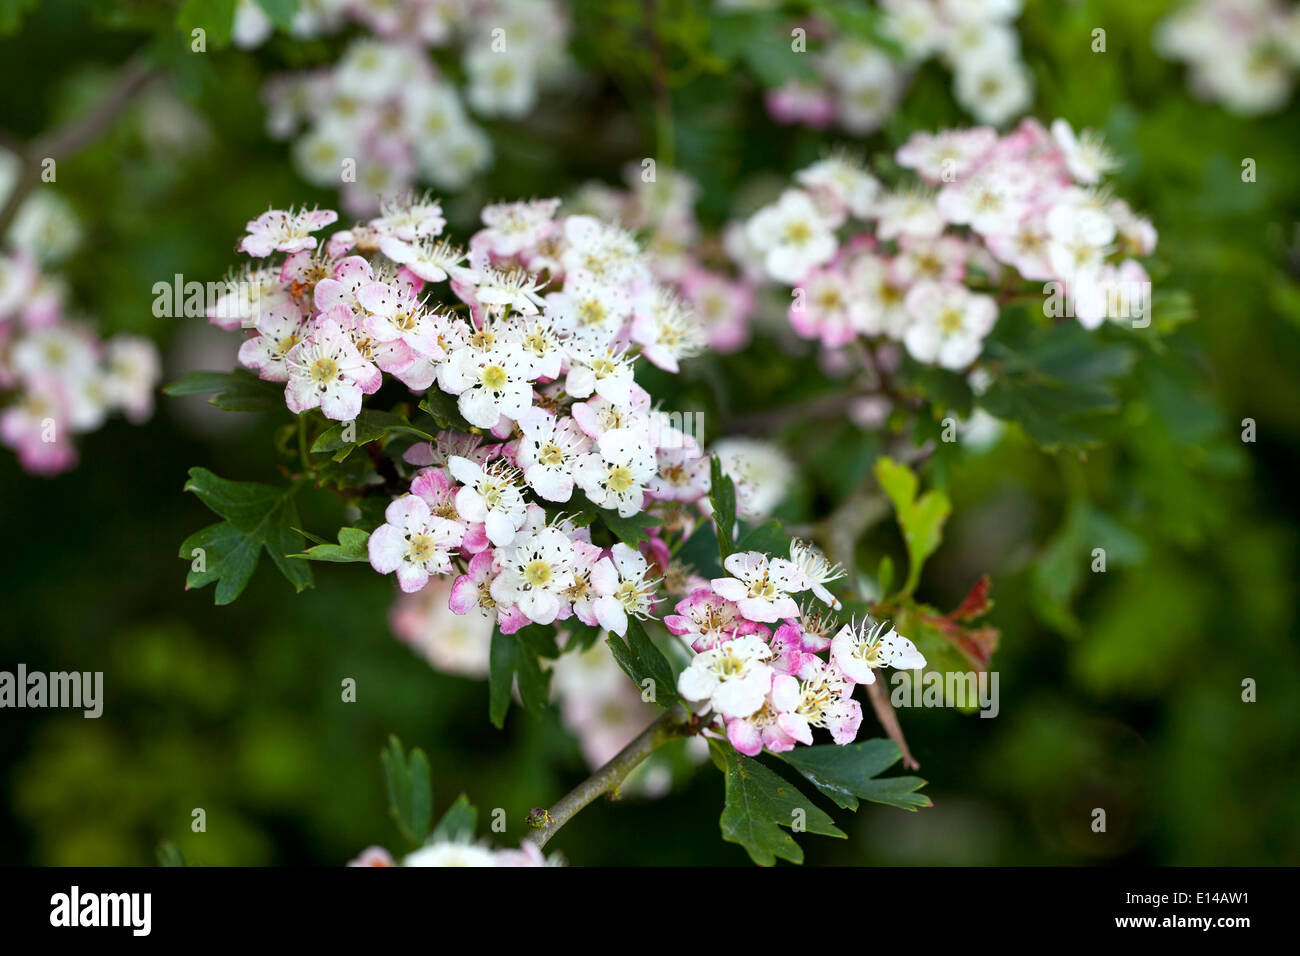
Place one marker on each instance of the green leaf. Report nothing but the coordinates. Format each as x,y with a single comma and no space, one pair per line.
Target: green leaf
457,824
885,576
762,41
214,17
769,538
280,12
351,547
642,661
758,803
231,391
921,519
169,854
722,496
369,425
1055,382
257,517
503,661
846,773
631,531
444,410
11,14
410,790
519,656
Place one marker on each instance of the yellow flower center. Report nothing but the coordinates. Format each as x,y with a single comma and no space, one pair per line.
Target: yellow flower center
537,573
493,377
324,370
620,479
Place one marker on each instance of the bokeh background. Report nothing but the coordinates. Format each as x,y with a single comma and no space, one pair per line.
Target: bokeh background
1119,690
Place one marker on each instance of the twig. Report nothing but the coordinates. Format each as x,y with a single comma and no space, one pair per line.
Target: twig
663,105
75,135
608,778
841,532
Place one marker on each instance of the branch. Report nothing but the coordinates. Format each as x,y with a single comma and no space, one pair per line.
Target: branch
75,135
546,823
843,528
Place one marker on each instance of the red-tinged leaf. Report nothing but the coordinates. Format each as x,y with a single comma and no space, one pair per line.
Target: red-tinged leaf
975,645
975,604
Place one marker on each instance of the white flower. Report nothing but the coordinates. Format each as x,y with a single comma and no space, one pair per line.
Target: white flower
623,588
589,311
601,370
792,235
1086,156
993,89
501,83
949,324
515,226
602,252
616,477
817,569
499,290
733,677
547,452
326,370
1080,233
414,542
490,495
535,574
858,649
666,330
451,854
908,212
761,587
843,181
492,378
431,260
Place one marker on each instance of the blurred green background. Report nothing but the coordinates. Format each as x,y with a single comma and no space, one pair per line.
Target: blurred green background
1119,690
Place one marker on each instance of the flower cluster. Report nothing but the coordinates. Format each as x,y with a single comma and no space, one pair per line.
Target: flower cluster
659,204
859,85
921,264
1241,53
759,667
538,355
57,377
385,115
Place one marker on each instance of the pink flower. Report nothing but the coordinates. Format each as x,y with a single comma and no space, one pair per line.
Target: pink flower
709,620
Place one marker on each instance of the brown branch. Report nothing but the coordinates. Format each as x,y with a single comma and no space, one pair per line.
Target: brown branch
75,135
609,778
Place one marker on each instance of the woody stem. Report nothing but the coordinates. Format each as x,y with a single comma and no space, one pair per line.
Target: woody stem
546,823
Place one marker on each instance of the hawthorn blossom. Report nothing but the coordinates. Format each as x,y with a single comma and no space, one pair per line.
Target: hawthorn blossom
548,450
624,587
792,235
709,620
816,569
950,324
733,678
859,649
327,371
615,475
491,378
490,495
535,574
761,587
280,230
413,542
